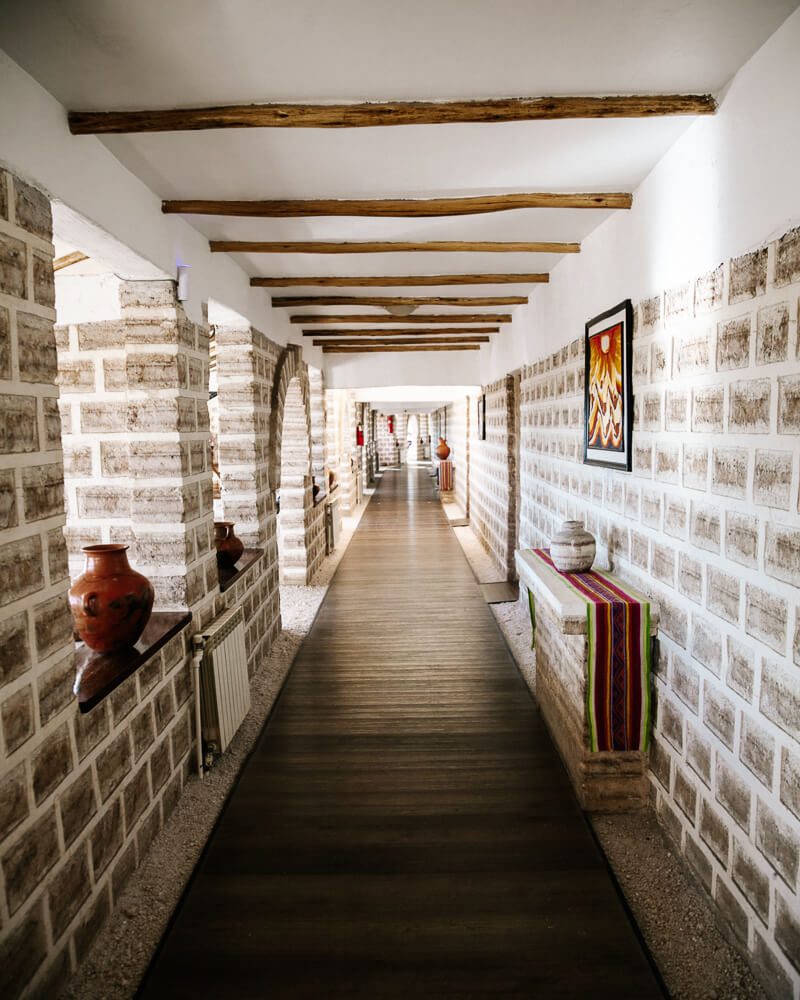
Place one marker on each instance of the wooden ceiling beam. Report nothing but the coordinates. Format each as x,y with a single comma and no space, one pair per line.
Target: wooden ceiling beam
394,280
434,332
408,208
401,340
69,259
358,318
331,349
383,113
286,301
388,246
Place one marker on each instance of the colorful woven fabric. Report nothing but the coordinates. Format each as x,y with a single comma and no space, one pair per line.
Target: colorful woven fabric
446,476
618,688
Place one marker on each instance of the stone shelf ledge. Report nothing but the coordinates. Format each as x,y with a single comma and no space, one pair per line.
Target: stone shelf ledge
564,604
228,575
99,673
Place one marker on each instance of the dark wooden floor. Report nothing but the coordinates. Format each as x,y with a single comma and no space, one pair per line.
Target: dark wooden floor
404,827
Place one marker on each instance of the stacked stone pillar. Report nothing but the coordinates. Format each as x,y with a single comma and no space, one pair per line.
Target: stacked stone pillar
342,416
493,495
135,424
295,486
246,362
348,455
386,442
319,456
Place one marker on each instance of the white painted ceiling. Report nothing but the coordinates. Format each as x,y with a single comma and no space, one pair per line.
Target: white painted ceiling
113,55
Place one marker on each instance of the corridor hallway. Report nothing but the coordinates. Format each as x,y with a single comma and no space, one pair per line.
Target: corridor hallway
404,827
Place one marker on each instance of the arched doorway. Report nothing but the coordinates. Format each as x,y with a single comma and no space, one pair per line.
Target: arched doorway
294,487
412,438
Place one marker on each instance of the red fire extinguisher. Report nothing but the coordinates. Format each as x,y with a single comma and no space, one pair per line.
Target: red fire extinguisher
359,435
390,424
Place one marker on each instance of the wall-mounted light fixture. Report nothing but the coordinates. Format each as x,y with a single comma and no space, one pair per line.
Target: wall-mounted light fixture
183,282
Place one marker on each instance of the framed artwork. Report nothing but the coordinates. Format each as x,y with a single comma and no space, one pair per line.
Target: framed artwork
608,389
482,417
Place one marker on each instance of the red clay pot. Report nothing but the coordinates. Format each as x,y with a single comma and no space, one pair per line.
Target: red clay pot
229,547
442,450
110,602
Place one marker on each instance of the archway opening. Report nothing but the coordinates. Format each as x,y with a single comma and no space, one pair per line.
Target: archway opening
294,489
412,439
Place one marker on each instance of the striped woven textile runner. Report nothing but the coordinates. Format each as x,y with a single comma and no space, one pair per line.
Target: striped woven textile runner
618,689
445,476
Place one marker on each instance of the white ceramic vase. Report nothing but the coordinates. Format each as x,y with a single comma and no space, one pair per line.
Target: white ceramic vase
573,548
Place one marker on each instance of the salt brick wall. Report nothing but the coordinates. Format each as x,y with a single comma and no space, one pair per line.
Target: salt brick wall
707,523
81,796
492,489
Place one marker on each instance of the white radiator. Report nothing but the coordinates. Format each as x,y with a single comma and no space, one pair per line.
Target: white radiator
333,524
224,687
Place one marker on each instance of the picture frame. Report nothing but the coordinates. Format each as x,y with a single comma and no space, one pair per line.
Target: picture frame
608,389
482,417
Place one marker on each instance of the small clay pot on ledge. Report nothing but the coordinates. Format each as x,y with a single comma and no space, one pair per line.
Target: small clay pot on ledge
229,547
442,450
110,602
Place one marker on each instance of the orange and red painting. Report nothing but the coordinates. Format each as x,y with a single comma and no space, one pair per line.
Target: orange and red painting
608,388
605,396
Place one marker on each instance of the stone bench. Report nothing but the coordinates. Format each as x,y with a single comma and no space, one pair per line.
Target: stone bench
605,781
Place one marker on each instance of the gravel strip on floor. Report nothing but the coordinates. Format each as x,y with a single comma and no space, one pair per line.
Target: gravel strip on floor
695,960
123,950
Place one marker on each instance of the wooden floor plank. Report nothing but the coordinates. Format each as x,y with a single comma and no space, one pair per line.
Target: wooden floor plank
404,826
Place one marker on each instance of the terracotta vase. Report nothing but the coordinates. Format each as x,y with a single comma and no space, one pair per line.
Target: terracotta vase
442,450
229,547
573,548
110,602
330,481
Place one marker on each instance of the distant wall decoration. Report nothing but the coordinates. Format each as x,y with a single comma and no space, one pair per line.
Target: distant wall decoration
608,399
482,417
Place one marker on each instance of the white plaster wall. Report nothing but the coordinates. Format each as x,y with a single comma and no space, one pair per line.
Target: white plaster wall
729,184
83,298
116,216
